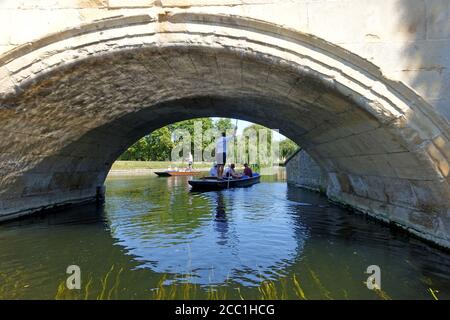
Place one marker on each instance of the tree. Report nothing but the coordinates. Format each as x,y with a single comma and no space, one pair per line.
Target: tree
138,151
223,125
256,142
287,148
189,126
159,144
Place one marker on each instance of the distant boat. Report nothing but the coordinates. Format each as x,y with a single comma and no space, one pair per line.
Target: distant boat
170,173
212,183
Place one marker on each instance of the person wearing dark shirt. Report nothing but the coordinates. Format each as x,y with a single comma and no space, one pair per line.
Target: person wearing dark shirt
247,171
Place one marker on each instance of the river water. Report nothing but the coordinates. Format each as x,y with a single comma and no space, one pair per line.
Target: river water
154,239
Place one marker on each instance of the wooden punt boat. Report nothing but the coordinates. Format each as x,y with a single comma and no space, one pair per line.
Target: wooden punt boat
212,183
176,173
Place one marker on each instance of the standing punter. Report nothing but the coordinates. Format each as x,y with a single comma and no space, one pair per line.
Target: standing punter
221,152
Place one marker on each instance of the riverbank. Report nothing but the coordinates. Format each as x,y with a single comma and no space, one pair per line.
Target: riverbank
148,167
121,168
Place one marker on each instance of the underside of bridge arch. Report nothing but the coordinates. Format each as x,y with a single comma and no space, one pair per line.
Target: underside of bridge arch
73,102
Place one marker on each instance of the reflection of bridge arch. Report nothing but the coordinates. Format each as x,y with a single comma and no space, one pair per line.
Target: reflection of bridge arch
72,102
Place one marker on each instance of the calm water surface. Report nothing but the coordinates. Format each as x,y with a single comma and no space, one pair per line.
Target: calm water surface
155,239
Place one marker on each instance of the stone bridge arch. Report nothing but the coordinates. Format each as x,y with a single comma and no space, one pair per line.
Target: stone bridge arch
71,102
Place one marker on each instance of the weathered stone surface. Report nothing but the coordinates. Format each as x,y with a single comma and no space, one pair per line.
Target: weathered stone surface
438,19
303,171
83,76
51,4
410,46
130,3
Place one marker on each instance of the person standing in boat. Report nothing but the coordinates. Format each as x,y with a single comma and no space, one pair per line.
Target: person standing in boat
221,152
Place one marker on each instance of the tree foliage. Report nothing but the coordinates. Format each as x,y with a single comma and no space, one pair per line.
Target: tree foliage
287,148
138,151
256,143
224,125
158,145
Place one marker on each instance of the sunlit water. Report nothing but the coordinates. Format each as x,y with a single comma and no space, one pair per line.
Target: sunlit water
155,239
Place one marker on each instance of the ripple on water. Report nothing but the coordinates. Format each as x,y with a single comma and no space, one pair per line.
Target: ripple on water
154,228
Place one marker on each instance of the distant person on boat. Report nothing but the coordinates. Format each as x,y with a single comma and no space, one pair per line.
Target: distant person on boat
230,172
190,161
221,152
247,170
213,171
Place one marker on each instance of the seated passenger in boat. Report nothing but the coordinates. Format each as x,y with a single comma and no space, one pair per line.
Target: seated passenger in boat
213,170
247,170
230,172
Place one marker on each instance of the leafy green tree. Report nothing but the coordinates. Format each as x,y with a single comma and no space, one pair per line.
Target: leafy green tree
138,151
223,125
185,125
287,148
252,141
189,125
159,144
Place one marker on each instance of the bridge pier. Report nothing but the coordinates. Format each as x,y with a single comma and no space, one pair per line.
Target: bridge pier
302,171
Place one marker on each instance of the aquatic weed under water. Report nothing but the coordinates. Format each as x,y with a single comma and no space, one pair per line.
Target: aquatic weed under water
185,289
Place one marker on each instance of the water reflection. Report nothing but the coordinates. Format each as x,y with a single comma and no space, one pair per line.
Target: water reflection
152,229
211,236
221,222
